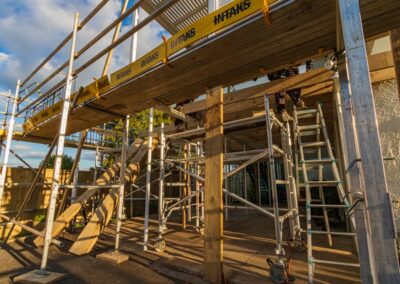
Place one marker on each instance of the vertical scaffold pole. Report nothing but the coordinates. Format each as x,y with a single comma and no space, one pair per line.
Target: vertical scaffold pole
161,183
292,182
287,175
185,188
377,198
95,164
278,235
10,132
245,182
201,171
226,183
122,172
134,38
4,124
148,181
198,196
189,186
60,149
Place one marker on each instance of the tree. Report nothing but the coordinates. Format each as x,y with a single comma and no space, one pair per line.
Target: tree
138,122
66,164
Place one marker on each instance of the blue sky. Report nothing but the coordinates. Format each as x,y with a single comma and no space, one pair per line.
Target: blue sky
30,29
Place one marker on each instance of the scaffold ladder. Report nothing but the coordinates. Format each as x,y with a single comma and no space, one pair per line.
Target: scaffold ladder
315,154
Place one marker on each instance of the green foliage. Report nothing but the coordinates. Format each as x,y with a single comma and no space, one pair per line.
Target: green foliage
137,123
66,164
39,218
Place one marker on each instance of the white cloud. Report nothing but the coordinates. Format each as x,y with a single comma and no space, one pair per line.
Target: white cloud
33,155
29,31
21,147
3,56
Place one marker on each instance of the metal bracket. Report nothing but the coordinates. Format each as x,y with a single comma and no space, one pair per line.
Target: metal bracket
352,164
351,209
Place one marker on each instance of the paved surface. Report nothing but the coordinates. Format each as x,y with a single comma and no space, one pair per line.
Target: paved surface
248,241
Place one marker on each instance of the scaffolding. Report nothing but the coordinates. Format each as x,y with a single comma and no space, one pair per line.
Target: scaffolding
196,163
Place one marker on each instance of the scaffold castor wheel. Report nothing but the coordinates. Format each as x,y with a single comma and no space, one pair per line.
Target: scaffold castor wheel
201,231
160,246
298,244
279,272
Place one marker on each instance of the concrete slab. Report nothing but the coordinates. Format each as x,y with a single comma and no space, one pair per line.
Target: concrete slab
39,276
115,257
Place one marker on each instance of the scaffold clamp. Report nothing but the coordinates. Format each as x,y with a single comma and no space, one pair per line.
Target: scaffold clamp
266,14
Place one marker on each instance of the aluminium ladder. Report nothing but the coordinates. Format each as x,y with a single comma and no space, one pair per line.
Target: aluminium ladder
310,142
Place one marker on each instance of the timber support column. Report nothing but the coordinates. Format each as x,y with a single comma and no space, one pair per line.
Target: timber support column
213,203
377,197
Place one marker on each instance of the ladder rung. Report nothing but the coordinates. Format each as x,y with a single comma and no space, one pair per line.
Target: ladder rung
309,168
281,182
333,233
312,200
320,183
335,263
321,161
329,205
308,133
323,182
310,115
309,127
313,144
306,111
175,184
312,216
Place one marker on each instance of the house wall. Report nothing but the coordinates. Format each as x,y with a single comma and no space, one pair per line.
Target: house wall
387,104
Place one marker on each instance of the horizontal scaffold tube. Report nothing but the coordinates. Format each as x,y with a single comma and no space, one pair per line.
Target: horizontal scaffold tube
30,229
234,196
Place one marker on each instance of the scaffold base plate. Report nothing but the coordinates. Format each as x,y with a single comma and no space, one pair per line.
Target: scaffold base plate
38,276
113,257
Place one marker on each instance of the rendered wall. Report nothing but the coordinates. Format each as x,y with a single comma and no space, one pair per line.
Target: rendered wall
388,110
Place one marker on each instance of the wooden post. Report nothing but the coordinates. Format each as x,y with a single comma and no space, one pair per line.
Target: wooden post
395,41
213,231
376,193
